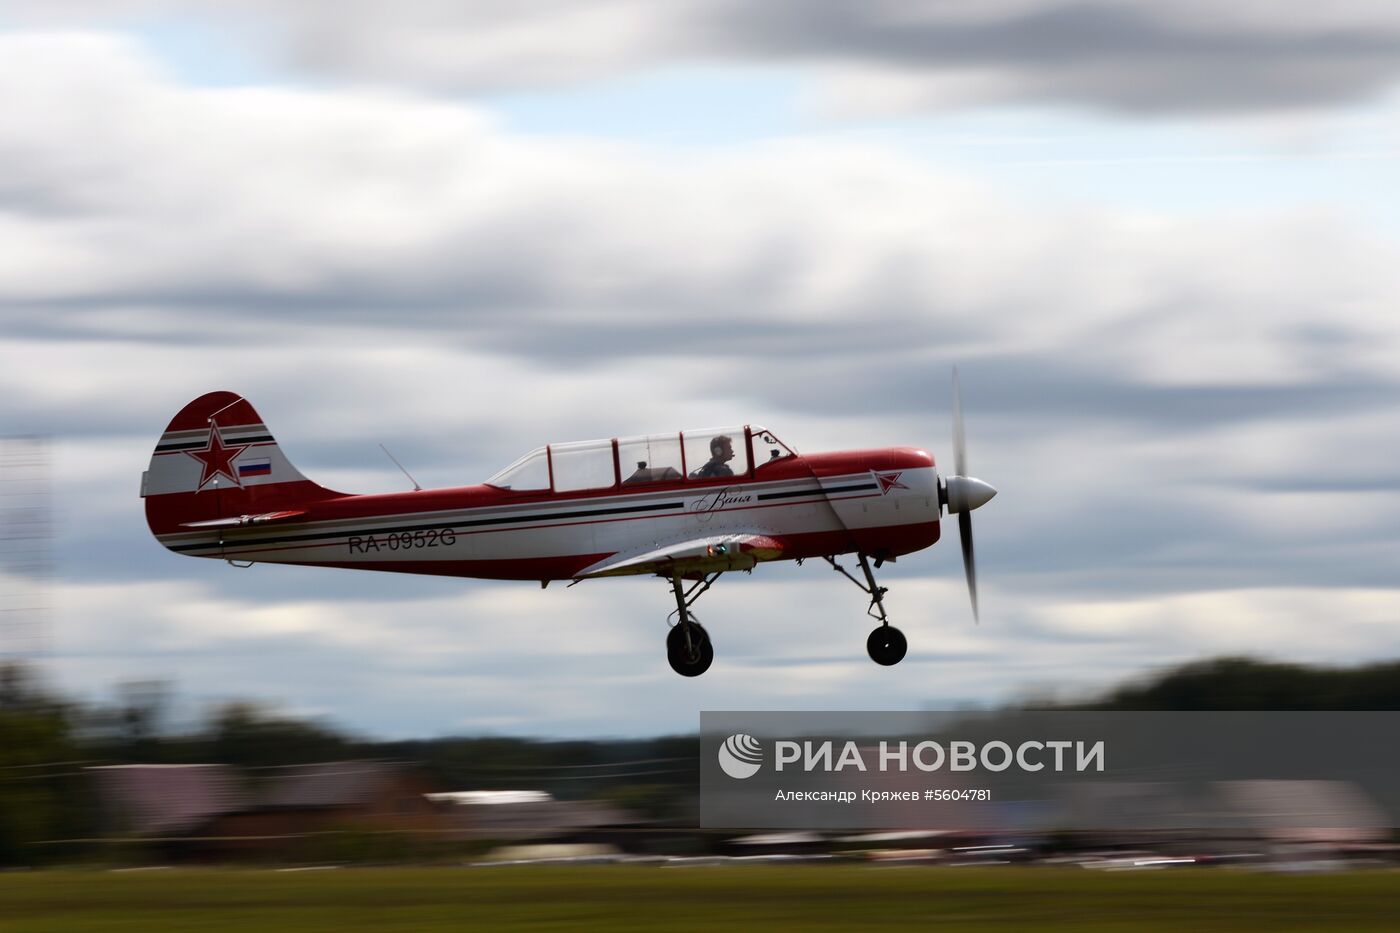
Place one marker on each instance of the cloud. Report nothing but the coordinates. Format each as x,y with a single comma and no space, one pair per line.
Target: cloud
253,206
1133,58
1138,59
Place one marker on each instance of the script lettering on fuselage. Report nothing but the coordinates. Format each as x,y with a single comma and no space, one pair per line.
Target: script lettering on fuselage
720,499
402,540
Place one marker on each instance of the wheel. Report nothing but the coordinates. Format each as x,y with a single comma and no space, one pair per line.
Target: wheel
886,645
689,657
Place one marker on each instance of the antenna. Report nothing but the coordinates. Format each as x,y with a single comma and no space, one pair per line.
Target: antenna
224,409
416,487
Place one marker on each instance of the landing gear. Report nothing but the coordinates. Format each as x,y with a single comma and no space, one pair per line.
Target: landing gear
688,645
886,644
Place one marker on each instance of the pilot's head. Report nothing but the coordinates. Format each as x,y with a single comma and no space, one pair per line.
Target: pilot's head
722,448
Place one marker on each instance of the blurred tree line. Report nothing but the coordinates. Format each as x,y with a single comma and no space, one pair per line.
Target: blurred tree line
46,741
38,758
1248,684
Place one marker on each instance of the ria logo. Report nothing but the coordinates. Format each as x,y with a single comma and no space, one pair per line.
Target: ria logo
741,756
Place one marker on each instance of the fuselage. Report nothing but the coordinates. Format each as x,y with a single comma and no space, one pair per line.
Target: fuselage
881,502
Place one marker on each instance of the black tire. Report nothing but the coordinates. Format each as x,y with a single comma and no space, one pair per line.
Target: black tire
693,657
886,645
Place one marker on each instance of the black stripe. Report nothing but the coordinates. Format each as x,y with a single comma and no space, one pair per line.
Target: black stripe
477,523
196,445
814,492
788,495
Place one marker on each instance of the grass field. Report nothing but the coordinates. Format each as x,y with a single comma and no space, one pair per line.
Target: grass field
757,897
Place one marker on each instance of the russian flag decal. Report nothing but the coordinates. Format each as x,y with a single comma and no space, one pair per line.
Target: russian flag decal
261,467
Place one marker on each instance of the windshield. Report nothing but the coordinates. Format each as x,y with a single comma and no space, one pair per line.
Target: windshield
529,472
767,448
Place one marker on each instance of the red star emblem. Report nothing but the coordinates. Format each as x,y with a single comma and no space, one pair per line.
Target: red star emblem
889,481
216,458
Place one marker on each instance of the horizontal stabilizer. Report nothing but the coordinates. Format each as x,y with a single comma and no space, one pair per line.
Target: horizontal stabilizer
239,521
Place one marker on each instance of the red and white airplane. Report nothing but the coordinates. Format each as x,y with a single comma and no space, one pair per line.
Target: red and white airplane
685,506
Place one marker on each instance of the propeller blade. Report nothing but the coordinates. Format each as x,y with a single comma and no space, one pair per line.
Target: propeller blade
969,560
962,493
959,437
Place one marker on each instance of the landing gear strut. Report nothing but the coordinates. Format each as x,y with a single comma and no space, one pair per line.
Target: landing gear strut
688,645
886,644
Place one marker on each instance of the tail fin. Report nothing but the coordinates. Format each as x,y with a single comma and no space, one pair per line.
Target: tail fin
218,464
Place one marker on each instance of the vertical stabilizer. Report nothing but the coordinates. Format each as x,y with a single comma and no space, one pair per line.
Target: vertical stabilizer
216,461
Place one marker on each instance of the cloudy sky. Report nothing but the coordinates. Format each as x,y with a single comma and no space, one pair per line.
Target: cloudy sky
1159,242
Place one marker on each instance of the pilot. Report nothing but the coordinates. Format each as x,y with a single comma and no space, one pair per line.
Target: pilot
721,451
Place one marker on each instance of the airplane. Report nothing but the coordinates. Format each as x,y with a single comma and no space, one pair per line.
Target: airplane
686,506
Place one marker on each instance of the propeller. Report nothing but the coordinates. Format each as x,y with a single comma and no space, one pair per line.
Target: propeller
962,493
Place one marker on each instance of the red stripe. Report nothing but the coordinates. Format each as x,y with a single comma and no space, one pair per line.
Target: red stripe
534,568
482,496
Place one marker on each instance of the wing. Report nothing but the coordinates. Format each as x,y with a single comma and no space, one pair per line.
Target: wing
734,550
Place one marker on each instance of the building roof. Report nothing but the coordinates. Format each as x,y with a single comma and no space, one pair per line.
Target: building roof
165,799
1300,810
328,784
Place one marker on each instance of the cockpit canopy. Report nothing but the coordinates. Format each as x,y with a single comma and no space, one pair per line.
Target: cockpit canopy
686,456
